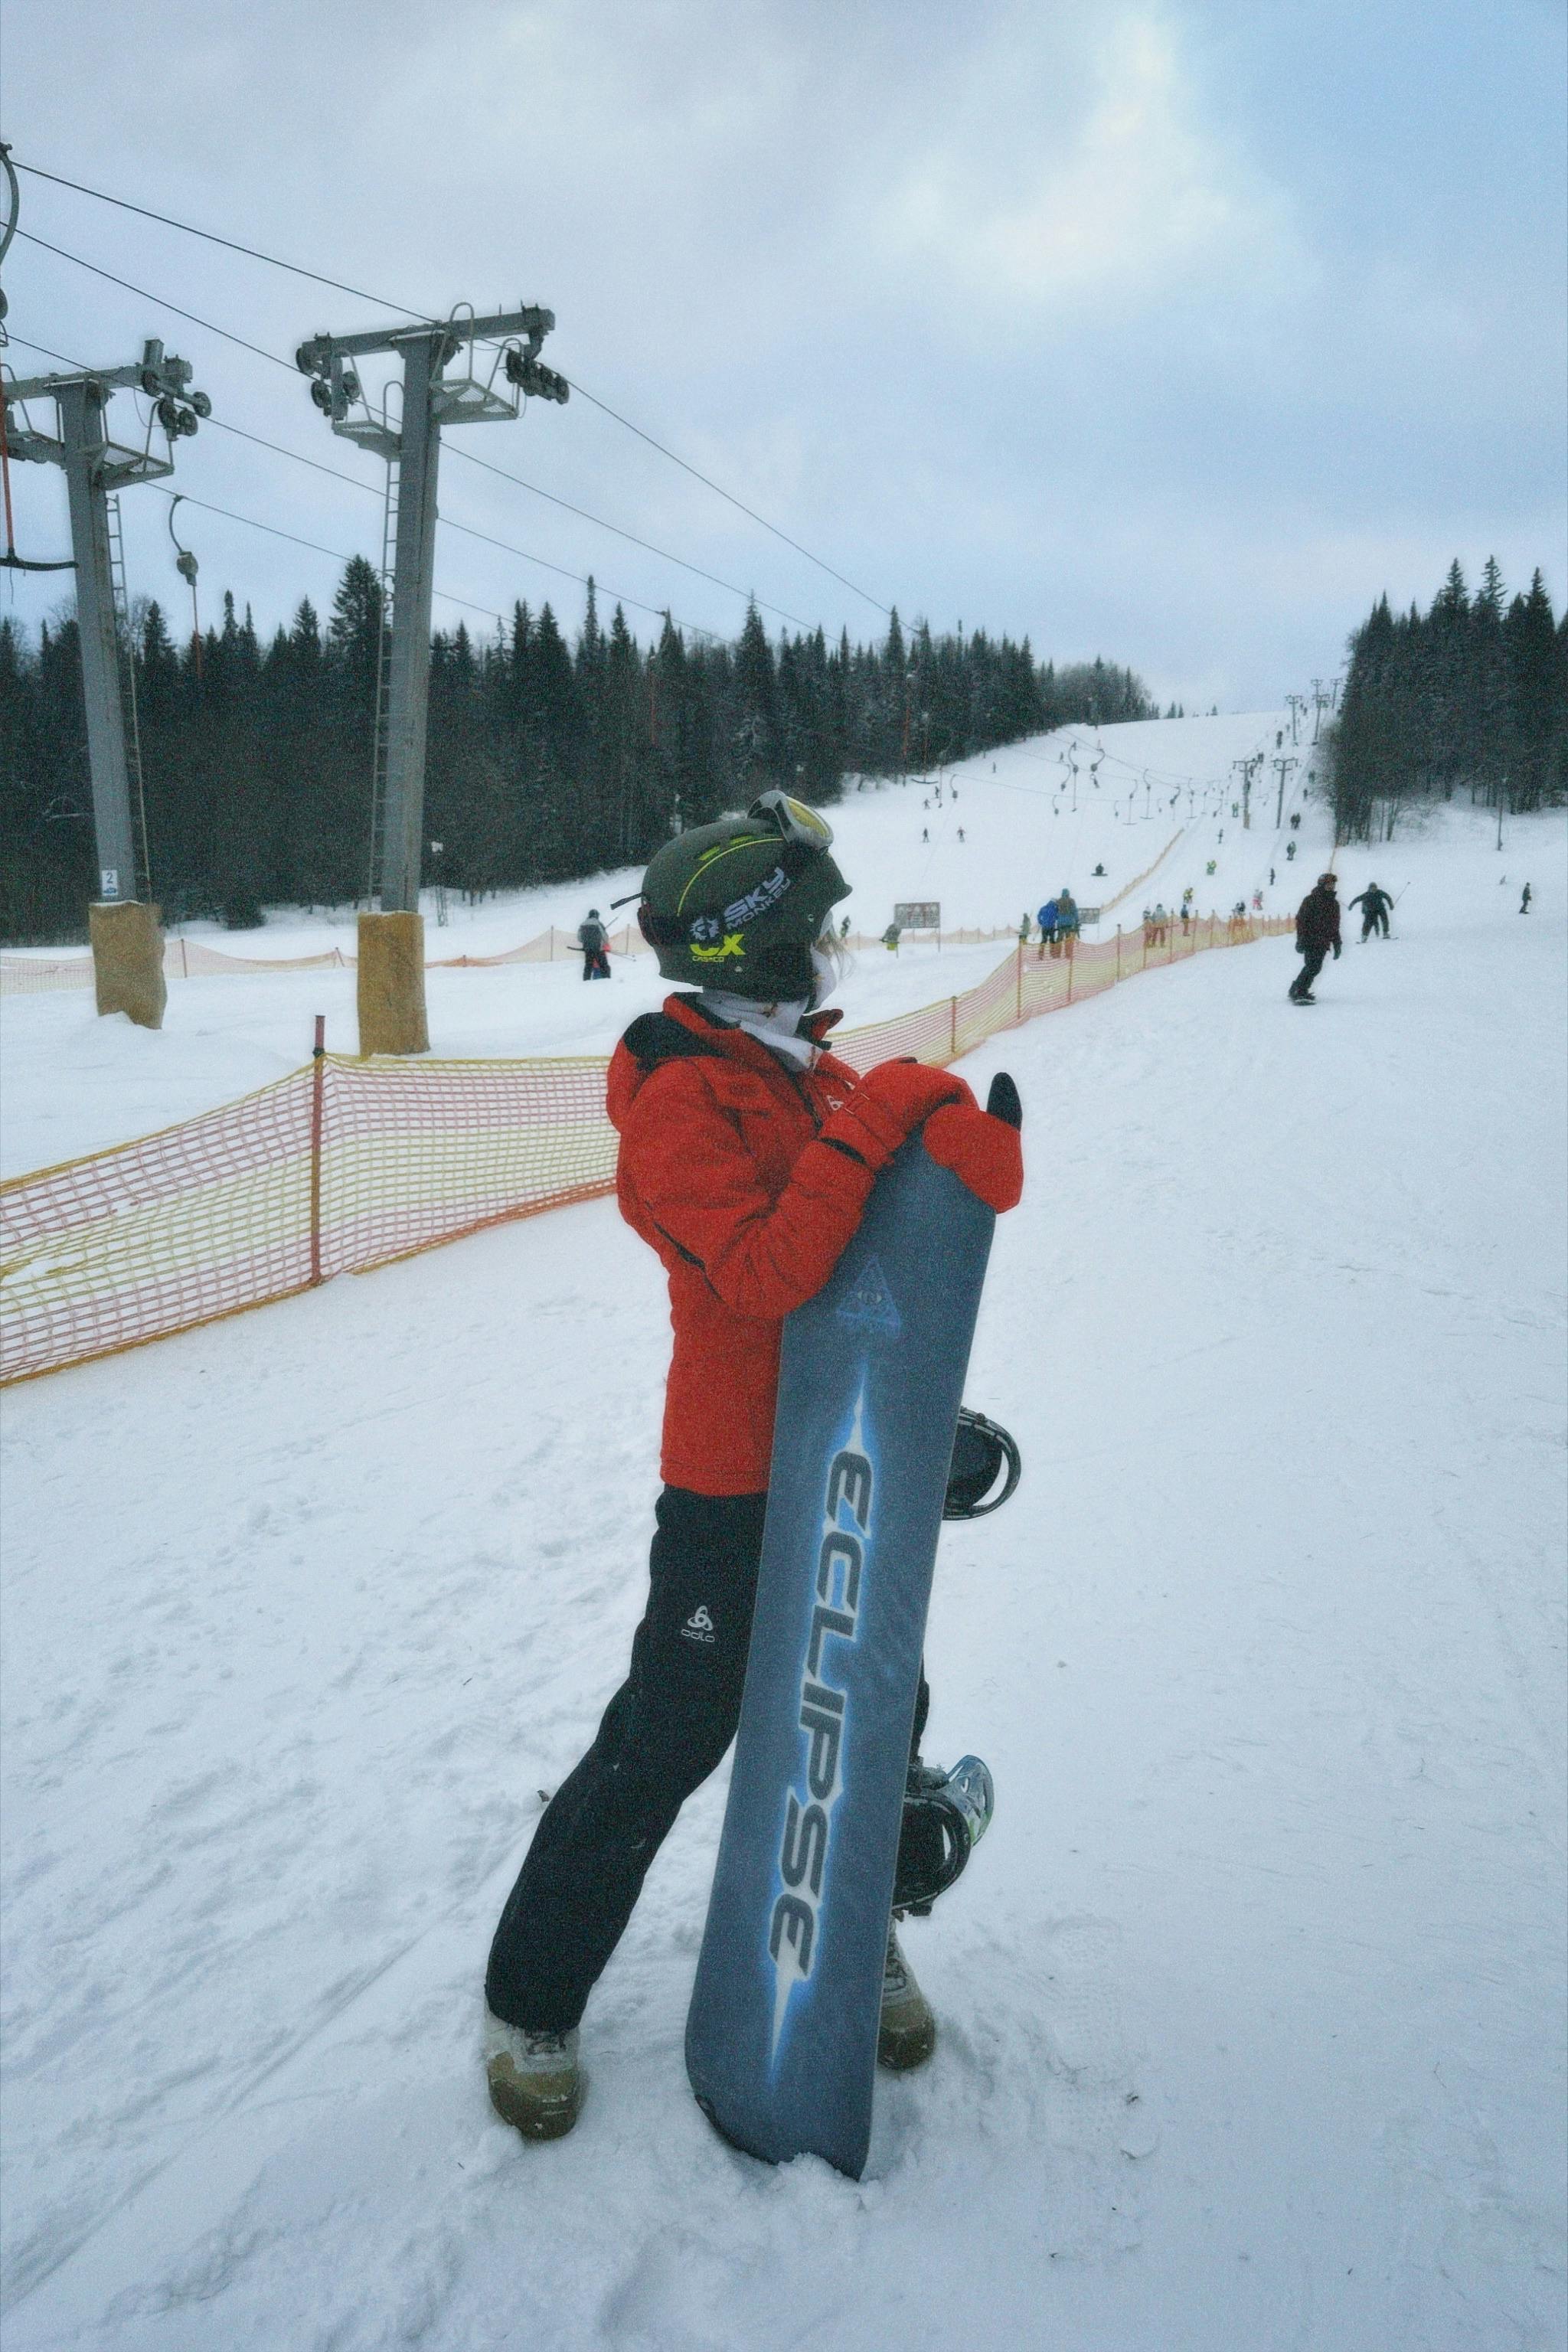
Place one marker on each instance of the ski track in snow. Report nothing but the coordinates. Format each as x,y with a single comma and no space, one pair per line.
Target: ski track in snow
1249,2001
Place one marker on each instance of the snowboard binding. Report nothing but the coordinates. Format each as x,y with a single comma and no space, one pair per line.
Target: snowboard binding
946,1815
983,1453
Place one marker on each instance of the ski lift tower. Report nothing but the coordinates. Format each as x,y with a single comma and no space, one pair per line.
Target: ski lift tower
392,1017
127,944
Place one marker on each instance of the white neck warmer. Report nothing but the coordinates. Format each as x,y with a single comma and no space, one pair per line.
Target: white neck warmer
773,1025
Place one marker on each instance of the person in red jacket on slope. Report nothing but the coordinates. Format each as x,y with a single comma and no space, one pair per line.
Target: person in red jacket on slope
747,1156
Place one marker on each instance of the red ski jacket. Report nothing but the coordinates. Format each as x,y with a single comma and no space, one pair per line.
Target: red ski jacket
722,1169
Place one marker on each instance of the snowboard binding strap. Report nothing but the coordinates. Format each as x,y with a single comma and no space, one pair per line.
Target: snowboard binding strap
946,1815
983,1452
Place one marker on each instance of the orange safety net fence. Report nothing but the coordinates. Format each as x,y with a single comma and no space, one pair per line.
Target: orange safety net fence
33,975
345,1165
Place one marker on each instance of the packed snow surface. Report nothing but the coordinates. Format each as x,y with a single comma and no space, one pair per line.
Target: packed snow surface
1251,2002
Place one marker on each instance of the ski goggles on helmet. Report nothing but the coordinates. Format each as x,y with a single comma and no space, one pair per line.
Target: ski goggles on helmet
794,821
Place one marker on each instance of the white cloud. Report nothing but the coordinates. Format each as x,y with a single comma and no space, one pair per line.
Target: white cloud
1126,190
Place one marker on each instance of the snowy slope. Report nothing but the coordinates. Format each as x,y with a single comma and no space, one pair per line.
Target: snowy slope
1248,2001
73,1083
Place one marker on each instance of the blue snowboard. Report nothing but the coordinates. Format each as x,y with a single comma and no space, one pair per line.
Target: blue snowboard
781,2040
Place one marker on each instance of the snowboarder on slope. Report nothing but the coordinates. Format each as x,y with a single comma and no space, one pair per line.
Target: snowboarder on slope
1524,902
1375,907
747,1156
1317,930
593,940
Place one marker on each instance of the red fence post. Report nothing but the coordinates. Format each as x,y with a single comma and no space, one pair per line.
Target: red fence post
317,1085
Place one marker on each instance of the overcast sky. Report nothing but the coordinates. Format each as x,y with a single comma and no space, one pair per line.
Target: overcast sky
1174,332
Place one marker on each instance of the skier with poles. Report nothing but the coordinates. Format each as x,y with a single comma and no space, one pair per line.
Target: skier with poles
748,1154
593,940
1317,931
1375,907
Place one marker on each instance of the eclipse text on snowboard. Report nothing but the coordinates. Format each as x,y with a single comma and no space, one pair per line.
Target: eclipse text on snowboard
823,1718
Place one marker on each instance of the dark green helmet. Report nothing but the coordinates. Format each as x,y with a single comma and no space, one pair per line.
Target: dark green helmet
739,905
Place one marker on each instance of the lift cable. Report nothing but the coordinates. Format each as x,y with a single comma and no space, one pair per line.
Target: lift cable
254,253
659,612
211,328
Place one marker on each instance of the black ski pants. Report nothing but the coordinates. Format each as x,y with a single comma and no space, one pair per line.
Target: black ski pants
1373,918
665,1730
1312,962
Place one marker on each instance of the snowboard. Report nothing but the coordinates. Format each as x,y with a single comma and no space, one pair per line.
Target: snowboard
781,2038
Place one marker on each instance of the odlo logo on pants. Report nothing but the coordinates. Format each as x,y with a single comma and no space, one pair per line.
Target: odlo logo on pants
699,1626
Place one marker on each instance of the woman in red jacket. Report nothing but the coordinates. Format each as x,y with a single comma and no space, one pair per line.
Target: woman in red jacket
747,1156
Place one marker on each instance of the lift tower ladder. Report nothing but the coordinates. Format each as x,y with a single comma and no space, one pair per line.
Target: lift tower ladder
125,647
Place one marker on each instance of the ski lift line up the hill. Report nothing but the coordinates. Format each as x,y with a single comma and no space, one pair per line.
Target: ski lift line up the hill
258,351
273,261
448,522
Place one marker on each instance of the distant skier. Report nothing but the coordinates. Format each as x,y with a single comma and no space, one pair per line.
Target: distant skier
1317,931
960,828
1290,852
1375,907
747,1156
1100,874
891,937
594,942
1524,902
925,833
1067,919
1296,822
1047,919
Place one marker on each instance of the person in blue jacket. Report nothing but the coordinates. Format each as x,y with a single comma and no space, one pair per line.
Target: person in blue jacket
1047,921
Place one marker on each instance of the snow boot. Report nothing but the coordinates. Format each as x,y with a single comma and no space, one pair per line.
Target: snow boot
536,2084
907,2033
